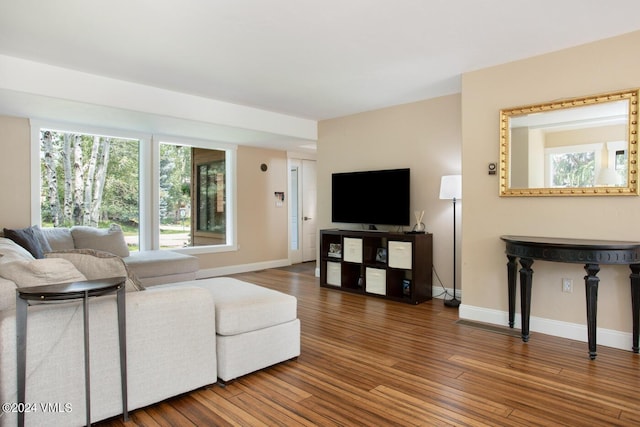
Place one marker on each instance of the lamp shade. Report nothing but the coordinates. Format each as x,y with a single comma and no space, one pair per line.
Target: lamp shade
607,177
451,187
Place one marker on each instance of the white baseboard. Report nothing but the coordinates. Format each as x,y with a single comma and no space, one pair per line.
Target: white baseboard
573,331
243,268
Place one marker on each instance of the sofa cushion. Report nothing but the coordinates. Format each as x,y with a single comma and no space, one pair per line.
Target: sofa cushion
7,294
98,265
58,238
242,307
26,237
40,272
11,251
102,239
161,263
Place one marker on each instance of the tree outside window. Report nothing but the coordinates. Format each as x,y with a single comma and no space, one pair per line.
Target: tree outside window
90,180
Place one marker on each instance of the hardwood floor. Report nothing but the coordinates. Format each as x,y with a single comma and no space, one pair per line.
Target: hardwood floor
367,361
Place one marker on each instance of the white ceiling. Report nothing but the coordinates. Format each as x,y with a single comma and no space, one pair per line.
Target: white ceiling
310,59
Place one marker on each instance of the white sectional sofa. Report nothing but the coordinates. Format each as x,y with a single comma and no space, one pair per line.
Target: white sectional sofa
171,344
180,336
150,267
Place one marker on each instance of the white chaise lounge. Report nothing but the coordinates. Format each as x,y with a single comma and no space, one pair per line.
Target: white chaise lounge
256,327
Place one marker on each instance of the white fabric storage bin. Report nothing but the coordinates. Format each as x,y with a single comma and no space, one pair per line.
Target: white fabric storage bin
399,255
334,276
352,250
376,281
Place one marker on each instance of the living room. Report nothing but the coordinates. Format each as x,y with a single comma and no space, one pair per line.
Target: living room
448,134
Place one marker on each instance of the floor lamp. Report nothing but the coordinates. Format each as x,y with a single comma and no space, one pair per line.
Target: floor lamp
451,189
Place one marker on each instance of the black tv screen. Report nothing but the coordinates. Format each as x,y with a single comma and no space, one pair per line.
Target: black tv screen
371,197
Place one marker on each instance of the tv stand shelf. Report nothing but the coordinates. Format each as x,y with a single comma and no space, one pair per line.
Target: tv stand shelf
389,265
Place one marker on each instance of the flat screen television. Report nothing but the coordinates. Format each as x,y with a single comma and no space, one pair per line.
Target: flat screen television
379,197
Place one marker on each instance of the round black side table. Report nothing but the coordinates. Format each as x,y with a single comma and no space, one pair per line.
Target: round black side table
63,292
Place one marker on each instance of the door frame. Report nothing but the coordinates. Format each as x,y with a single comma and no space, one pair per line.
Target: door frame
295,160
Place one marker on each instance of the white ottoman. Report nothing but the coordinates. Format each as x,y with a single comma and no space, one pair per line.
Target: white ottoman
256,327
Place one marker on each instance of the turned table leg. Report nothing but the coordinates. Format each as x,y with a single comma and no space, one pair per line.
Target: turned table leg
591,281
526,282
635,304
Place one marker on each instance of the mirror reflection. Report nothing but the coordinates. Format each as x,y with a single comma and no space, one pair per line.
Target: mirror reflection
580,146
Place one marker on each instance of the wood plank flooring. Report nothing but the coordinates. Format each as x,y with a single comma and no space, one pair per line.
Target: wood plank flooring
370,362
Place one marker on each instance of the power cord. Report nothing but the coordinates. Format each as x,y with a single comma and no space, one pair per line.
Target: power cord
444,292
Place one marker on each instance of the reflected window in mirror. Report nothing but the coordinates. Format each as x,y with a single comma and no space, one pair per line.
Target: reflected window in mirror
579,146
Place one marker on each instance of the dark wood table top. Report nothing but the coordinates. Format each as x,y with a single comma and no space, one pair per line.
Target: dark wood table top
73,290
587,251
559,241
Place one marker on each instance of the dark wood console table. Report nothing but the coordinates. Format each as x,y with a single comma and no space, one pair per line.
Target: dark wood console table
591,253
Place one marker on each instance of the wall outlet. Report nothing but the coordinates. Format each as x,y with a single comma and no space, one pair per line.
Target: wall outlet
567,285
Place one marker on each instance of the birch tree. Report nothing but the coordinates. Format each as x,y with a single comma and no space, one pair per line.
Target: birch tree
78,180
67,206
88,182
52,178
99,181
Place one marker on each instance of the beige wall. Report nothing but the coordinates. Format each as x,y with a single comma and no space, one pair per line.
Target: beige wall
595,68
15,178
424,136
262,227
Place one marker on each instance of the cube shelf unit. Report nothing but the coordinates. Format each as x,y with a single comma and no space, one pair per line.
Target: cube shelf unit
394,266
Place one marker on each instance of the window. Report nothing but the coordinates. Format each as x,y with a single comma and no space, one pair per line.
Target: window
210,191
618,160
572,166
170,194
193,196
89,179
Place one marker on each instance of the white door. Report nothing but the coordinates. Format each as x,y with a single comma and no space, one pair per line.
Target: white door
309,196
302,218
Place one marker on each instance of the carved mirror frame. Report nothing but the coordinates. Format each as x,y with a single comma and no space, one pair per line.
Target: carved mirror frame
631,185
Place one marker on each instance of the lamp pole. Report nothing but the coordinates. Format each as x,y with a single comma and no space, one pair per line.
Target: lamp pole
454,302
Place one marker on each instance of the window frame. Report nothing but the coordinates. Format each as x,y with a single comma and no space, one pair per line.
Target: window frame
230,171
149,185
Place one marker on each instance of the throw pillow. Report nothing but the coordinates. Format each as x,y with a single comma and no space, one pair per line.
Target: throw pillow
107,240
99,265
58,238
11,251
26,238
40,272
44,243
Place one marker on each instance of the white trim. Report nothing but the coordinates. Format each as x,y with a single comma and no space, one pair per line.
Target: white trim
148,195
34,164
295,255
241,268
194,142
573,331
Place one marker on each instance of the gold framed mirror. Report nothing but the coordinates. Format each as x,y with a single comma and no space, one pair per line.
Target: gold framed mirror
574,147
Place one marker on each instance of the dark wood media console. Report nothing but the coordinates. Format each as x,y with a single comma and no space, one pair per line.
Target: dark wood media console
394,266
